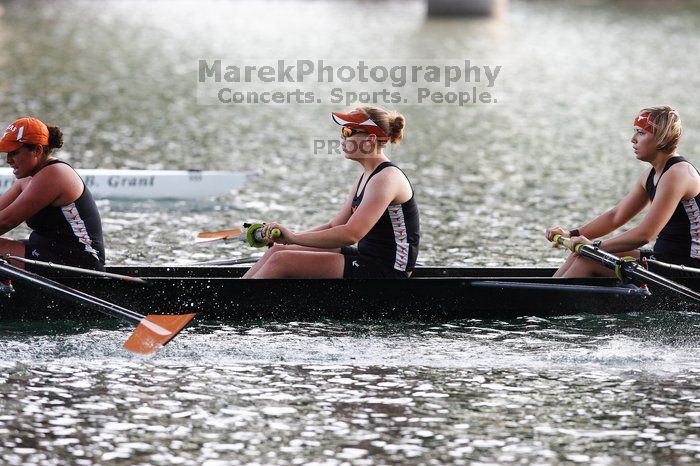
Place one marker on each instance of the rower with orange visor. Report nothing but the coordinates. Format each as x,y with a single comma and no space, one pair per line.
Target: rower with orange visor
50,198
379,216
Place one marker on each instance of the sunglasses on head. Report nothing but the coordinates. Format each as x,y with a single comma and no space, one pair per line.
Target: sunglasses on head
346,132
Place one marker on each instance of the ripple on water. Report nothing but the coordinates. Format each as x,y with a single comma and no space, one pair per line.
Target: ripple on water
653,342
228,412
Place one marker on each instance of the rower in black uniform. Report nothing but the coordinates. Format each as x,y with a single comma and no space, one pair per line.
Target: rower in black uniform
51,198
380,214
391,246
672,188
679,240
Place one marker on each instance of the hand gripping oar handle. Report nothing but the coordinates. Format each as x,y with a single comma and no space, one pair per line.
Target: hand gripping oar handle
254,235
251,235
626,268
562,240
614,263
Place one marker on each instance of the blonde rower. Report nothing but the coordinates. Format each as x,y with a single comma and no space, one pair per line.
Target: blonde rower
670,184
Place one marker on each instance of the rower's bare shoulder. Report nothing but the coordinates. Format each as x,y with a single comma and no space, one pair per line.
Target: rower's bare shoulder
682,170
56,168
390,174
686,175
681,176
54,172
693,171
393,180
401,178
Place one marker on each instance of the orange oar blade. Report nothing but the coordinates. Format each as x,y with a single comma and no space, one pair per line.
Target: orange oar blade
219,234
155,330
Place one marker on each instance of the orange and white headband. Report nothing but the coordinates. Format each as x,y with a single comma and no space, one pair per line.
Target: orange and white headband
357,120
644,121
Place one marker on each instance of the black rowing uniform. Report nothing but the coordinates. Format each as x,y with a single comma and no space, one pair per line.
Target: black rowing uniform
390,248
679,240
68,235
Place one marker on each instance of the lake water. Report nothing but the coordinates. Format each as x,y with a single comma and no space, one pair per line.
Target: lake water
120,78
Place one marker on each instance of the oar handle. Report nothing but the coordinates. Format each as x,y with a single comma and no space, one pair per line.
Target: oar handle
274,233
564,241
626,268
255,237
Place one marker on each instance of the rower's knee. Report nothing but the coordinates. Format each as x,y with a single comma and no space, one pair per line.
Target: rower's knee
273,250
280,257
582,267
277,265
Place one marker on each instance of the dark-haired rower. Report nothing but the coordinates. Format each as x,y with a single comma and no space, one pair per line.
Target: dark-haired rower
380,214
51,198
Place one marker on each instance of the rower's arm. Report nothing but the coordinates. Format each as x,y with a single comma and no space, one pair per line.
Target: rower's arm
36,195
625,210
379,193
325,226
668,194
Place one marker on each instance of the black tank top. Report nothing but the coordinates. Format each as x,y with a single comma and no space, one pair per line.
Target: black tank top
394,238
77,224
679,240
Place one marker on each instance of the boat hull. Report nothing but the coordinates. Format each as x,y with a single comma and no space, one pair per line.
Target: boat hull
217,293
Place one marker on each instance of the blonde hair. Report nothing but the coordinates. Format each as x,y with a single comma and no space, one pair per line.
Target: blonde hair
667,127
390,122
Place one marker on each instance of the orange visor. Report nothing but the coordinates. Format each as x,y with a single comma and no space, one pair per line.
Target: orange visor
357,120
24,131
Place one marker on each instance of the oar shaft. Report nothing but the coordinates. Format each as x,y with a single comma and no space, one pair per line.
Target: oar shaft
220,234
679,268
609,260
555,287
659,280
69,268
252,235
242,260
631,270
59,289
